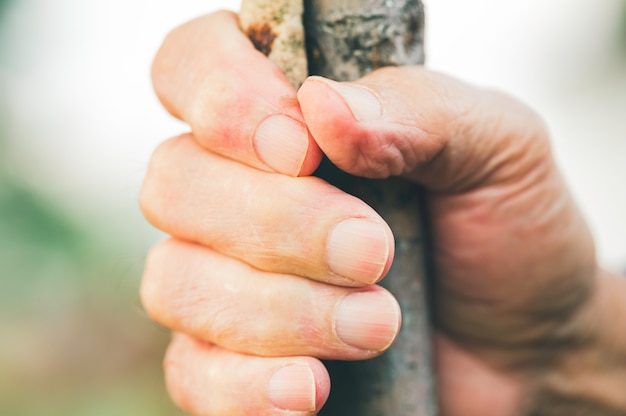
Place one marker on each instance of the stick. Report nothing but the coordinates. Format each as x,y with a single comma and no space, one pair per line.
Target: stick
275,28
345,40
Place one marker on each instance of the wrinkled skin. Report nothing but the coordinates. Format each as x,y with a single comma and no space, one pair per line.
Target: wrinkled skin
263,257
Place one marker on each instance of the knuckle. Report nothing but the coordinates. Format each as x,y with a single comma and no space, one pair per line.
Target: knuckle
150,292
154,187
218,91
165,66
250,332
220,324
187,79
177,377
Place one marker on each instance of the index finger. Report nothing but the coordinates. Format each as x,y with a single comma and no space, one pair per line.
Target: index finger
237,102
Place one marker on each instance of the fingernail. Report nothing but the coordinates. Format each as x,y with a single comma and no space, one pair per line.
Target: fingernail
359,249
282,142
364,104
368,320
293,388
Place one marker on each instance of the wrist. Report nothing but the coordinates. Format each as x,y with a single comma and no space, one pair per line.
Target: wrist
591,379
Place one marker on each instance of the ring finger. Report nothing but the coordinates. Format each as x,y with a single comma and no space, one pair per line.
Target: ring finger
220,300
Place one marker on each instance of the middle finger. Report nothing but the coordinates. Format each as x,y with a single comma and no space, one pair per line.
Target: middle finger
299,226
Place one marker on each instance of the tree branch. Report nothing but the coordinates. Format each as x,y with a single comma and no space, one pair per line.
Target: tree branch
345,40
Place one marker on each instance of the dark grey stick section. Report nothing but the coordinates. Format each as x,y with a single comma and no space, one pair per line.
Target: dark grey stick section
347,39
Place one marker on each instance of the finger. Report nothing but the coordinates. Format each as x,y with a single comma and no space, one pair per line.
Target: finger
299,226
195,290
237,102
414,122
206,380
495,193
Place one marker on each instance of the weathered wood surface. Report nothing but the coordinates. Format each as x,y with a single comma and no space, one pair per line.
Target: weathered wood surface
345,40
400,382
275,27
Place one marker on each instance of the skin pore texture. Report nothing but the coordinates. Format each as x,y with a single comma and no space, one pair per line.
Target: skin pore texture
269,269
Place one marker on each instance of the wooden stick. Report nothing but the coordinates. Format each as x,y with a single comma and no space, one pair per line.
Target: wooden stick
275,28
345,40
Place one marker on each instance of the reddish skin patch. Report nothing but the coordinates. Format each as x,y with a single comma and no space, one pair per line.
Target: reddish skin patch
262,37
290,103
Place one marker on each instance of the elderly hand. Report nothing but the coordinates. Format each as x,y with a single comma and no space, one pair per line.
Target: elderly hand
269,270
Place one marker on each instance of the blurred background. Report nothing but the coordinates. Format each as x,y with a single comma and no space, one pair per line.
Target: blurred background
78,121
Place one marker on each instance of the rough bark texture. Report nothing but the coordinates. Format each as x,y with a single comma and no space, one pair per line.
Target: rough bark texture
400,382
275,28
346,39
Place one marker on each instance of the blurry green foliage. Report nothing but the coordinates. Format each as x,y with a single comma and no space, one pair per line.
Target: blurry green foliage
75,340
28,217
623,30
4,5
33,234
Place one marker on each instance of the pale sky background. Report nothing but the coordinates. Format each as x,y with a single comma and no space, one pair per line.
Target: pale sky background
82,112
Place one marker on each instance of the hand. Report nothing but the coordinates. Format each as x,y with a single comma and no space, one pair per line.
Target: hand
269,270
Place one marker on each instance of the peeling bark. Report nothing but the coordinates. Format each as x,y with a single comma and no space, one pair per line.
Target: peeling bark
345,40
275,28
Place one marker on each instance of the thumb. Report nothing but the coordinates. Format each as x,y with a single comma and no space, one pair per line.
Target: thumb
423,125
513,257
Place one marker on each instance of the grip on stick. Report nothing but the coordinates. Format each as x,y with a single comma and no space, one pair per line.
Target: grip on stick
345,40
